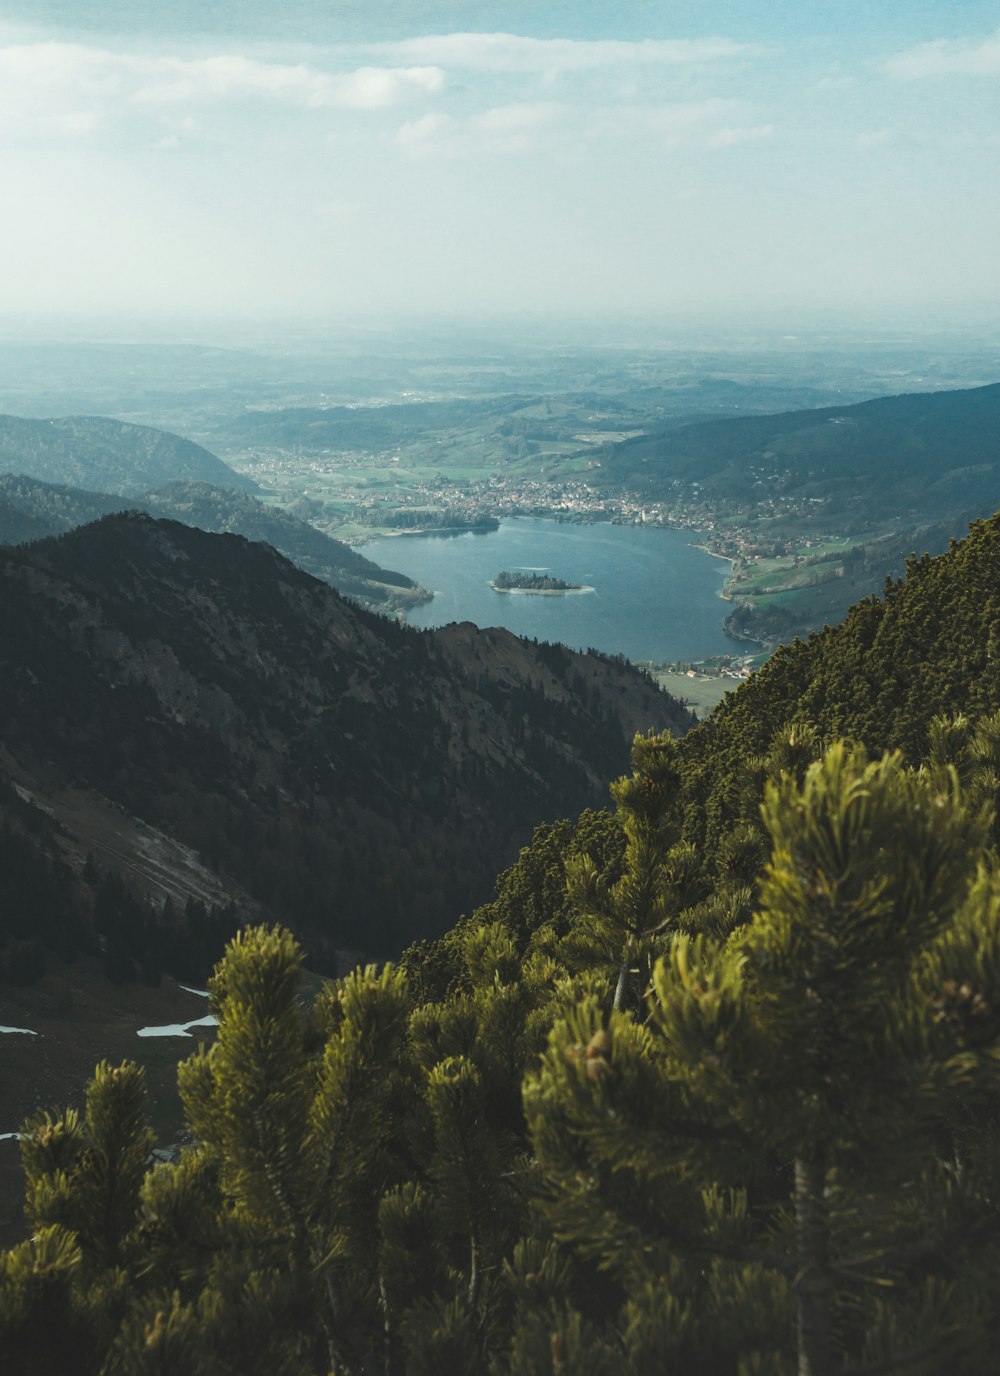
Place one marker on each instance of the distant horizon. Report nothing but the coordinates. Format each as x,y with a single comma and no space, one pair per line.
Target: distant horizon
779,329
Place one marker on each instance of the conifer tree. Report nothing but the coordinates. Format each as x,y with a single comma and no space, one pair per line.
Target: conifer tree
618,923
778,1152
798,1147
296,1114
83,1175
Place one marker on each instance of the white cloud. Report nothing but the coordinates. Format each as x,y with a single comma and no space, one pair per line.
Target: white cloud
418,134
948,57
342,210
372,87
506,52
732,136
173,80
669,125
513,128
79,123
49,68
558,129
52,88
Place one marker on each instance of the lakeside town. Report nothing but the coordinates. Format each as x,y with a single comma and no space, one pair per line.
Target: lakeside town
776,544
345,493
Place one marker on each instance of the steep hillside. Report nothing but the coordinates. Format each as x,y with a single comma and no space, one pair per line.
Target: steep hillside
741,1046
105,455
921,454
18,526
30,510
929,646
225,512
362,780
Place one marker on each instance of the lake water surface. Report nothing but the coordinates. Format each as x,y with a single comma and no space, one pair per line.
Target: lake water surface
655,595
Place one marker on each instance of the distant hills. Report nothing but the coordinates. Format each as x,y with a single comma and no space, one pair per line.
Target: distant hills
162,688
104,455
362,427
818,507
921,454
31,510
552,416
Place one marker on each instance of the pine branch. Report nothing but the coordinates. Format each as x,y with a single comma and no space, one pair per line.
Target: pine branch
904,1254
914,1357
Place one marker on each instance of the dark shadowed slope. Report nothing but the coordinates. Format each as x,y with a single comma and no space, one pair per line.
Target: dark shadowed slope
361,780
30,510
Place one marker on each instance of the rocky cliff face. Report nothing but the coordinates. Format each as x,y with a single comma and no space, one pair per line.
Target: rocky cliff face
361,780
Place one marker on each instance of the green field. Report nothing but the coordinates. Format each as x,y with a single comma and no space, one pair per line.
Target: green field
701,694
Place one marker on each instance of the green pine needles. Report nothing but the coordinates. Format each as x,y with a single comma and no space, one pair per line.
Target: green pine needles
721,1115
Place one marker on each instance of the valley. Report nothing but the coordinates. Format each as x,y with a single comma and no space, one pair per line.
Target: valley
410,438
201,736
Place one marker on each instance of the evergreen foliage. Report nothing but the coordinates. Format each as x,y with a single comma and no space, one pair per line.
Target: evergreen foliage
807,1115
778,1152
711,1087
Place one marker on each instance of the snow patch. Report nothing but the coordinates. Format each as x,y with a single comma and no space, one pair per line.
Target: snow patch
178,1029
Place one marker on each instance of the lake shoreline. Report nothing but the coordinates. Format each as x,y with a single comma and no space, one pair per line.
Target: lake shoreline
655,595
542,592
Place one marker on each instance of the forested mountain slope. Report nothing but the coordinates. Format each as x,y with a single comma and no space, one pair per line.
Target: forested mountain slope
711,1087
363,780
104,455
30,510
928,646
922,455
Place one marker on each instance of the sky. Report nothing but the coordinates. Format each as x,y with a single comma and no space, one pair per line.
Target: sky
337,159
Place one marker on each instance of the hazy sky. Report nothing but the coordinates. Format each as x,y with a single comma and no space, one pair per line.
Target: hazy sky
338,157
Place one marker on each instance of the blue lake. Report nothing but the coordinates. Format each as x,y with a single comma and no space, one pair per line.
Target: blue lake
655,595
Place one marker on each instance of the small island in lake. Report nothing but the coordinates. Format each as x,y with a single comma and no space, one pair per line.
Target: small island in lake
533,582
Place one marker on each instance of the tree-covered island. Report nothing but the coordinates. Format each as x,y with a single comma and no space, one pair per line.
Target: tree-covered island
532,582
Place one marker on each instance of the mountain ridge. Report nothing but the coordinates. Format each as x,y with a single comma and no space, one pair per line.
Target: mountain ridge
99,453
31,509
324,758
813,452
